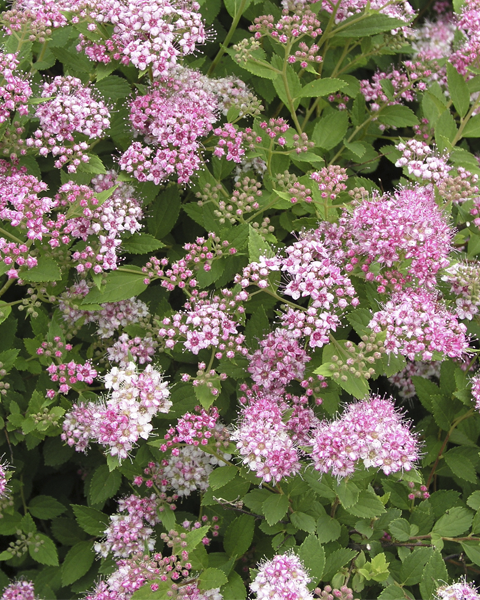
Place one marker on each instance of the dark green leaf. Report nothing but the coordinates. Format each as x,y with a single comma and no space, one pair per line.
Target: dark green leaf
221,476
91,520
239,536
114,88
472,550
77,562
234,589
460,464
165,211
368,505
412,567
433,575
397,116
322,87
236,7
141,243
400,529
366,27
120,286
302,521
336,560
104,484
275,508
45,507
328,529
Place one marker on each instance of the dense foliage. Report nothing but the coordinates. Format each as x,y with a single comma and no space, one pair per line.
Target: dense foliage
240,295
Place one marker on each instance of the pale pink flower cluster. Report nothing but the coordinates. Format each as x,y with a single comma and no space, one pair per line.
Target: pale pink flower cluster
70,107
475,383
130,529
46,13
172,118
399,9
457,591
263,439
109,319
229,143
388,230
3,479
330,181
417,324
464,284
281,578
19,590
135,398
138,349
15,89
467,53
418,368
371,432
151,34
422,162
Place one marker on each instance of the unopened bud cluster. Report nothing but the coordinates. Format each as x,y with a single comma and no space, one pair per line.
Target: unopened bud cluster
369,350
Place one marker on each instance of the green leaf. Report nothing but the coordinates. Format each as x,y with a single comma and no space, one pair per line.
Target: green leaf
239,536
119,286
330,130
46,552
46,270
368,26
454,522
312,555
45,507
293,82
392,592
472,128
336,560
165,211
195,536
347,492
10,523
302,521
104,484
356,386
141,243
275,508
91,520
397,116
474,500
234,7
412,567
458,90
234,589
460,464
447,128
257,246
322,87
114,88
67,531
443,411
400,529
368,505
433,574
212,578
328,529
77,562
472,550
221,476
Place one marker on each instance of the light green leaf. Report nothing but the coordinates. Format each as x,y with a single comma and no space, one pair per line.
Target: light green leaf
46,270
433,574
43,550
119,286
141,243
400,529
397,116
472,550
454,522
330,130
368,505
412,567
212,578
366,27
322,87
302,521
458,90
312,555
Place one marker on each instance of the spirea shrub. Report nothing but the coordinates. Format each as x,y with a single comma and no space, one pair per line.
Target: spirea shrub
239,300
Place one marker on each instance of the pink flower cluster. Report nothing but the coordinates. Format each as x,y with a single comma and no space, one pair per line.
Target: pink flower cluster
172,118
194,429
418,324
3,479
69,374
15,89
70,108
263,439
131,532
464,279
19,590
399,9
391,230
457,591
281,578
475,383
467,53
138,349
151,34
111,317
135,398
205,323
372,432
229,143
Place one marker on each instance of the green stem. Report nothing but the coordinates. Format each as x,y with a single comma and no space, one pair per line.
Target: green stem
228,38
291,106
7,285
11,236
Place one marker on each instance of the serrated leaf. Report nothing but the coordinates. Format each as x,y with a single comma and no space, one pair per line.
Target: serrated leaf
312,555
234,589
257,246
165,211
336,560
221,476
454,522
46,552
141,243
195,536
302,521
443,412
239,536
77,562
94,165
460,464
236,7
91,520
45,507
347,492
472,128
330,130
433,574
472,550
400,529
322,87
328,529
104,484
474,500
368,26
119,286
46,270
113,88
458,90
412,566
397,116
368,505
275,508
212,578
